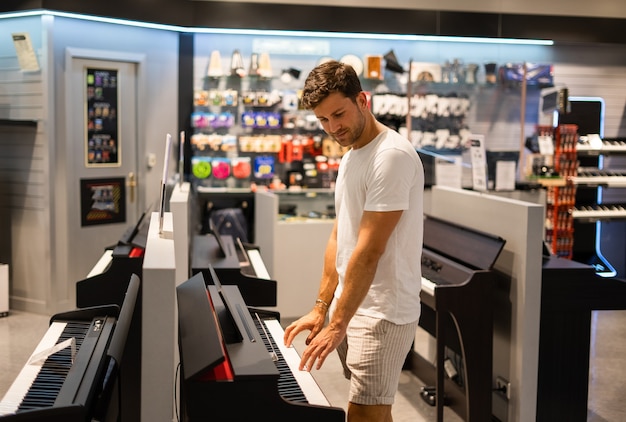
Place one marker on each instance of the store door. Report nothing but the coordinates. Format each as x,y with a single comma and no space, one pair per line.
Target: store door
103,189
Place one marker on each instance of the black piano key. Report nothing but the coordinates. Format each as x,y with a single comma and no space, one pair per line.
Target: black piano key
288,387
46,386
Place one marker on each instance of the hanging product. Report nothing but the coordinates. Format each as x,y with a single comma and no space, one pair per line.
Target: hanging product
236,65
254,65
391,62
215,65
265,66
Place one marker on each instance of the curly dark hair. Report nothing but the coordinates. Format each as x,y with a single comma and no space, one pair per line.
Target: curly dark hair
329,77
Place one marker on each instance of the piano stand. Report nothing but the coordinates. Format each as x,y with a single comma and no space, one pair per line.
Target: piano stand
470,307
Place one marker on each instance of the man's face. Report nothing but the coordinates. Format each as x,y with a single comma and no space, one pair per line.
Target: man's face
342,119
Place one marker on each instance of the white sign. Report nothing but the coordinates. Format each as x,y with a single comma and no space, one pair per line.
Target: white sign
546,145
479,162
25,53
505,175
448,172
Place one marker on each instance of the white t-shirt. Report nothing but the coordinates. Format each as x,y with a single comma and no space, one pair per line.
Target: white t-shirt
385,175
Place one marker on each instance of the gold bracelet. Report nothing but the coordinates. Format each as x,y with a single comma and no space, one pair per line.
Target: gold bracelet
322,303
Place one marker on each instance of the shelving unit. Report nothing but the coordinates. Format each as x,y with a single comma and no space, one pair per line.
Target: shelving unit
249,130
600,200
561,193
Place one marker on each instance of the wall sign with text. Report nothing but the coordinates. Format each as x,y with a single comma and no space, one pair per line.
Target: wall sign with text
102,131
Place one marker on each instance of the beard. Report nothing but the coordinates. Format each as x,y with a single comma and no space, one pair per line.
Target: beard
349,135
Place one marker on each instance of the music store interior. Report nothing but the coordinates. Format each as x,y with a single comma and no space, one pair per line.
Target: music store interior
165,202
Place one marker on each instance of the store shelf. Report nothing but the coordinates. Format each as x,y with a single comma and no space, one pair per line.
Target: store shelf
600,199
561,191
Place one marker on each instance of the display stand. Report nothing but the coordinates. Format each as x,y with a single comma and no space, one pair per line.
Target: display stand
159,332
181,219
293,251
4,290
517,306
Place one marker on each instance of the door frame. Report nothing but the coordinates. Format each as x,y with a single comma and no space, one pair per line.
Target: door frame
139,60
63,236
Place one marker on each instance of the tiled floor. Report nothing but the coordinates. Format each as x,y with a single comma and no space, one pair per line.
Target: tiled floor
20,332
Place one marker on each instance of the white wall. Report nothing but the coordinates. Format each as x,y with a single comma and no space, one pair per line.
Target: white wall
33,176
157,112
25,194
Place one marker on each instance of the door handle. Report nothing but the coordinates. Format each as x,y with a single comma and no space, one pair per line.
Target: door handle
132,184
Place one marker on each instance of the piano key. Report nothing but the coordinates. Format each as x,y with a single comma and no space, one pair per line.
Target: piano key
305,380
15,394
258,264
102,264
286,385
38,384
599,211
428,286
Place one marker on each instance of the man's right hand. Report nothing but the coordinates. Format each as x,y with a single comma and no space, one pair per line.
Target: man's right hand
313,321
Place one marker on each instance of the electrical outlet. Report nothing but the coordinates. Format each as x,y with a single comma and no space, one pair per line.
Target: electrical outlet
503,387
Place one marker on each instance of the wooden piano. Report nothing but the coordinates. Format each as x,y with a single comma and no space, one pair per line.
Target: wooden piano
72,374
236,263
457,308
234,363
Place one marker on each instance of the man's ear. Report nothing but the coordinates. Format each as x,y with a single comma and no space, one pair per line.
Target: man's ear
362,99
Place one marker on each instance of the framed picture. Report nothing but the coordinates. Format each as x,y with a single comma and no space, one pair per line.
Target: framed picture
102,143
102,201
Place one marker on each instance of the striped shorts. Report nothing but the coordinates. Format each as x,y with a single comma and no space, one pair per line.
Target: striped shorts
372,355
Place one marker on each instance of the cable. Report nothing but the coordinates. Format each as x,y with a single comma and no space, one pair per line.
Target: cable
176,398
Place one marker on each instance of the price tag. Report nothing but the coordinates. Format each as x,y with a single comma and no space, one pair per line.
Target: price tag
546,145
479,162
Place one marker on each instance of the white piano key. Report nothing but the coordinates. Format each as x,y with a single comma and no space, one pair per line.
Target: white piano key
610,181
428,286
600,212
257,263
15,394
307,383
102,263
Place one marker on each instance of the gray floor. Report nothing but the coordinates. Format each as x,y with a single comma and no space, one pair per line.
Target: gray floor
20,332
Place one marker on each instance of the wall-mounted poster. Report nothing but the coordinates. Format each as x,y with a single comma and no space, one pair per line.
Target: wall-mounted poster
102,131
102,201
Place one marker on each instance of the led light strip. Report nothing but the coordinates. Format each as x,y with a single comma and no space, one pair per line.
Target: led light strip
264,32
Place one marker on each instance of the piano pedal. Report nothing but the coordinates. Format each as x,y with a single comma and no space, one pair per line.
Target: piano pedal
429,395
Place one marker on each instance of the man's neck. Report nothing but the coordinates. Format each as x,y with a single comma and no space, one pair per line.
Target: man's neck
373,128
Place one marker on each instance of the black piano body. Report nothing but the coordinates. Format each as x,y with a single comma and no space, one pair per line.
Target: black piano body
109,284
226,363
457,309
230,258
76,387
570,292
109,287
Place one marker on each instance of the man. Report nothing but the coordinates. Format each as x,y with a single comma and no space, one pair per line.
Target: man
372,271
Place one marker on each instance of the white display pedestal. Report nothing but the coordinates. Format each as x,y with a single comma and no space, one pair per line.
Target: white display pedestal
516,343
4,290
181,220
159,343
293,252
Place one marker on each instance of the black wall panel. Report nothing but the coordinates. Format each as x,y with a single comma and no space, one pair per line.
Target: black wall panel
342,19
